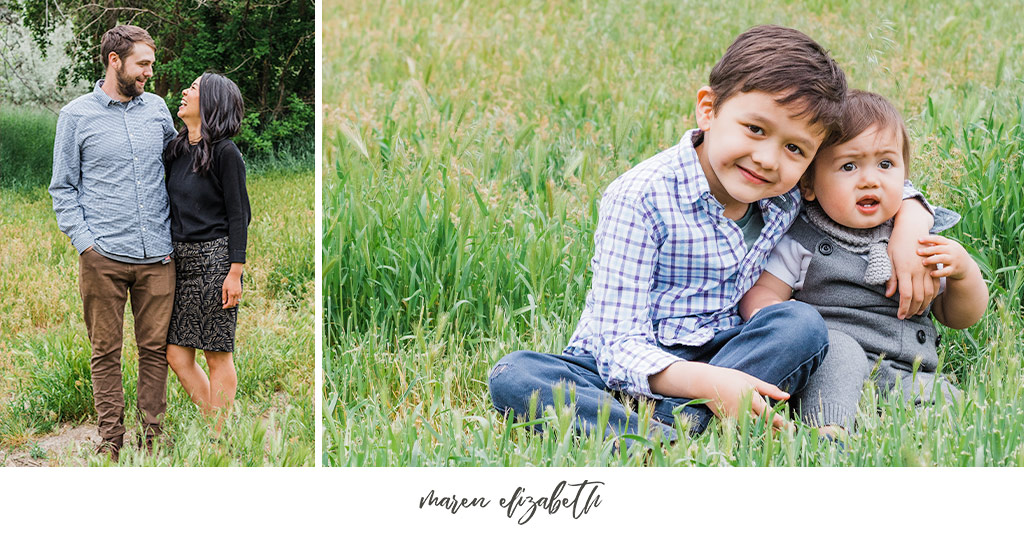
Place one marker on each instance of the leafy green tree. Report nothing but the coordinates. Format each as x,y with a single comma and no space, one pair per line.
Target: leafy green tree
267,48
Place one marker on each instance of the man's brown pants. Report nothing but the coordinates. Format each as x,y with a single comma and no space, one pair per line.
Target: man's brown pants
105,285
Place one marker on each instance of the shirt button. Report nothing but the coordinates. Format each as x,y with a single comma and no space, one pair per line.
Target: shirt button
140,205
921,337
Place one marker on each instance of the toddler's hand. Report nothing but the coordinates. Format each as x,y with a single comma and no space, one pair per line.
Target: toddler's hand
954,258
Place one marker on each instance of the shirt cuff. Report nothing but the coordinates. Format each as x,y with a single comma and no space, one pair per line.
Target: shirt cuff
944,219
236,256
909,192
82,242
638,382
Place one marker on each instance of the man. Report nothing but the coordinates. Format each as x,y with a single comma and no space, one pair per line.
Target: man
109,195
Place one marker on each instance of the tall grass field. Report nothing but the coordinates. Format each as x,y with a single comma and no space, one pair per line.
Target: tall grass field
466,147
46,404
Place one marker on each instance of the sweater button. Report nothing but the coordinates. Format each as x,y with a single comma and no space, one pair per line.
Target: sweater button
921,337
825,248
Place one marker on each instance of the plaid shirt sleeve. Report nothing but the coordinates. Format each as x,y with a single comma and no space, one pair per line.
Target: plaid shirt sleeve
625,259
66,182
909,192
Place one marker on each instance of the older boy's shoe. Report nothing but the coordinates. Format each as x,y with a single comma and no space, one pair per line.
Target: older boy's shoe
111,447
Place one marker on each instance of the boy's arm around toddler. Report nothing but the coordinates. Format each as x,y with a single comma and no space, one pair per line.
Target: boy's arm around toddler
917,288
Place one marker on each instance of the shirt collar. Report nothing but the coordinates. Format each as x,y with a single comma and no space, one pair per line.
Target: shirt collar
105,99
695,186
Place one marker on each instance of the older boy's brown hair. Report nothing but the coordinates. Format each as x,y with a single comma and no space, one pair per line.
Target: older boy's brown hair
861,111
121,39
785,62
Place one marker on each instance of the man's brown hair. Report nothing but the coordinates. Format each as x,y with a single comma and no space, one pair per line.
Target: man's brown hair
786,63
861,111
121,39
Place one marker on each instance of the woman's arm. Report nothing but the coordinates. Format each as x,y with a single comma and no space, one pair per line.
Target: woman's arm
231,172
230,169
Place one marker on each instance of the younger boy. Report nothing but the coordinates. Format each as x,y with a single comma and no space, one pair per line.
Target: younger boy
834,259
683,235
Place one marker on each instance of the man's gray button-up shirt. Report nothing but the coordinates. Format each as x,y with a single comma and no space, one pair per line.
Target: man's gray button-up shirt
108,175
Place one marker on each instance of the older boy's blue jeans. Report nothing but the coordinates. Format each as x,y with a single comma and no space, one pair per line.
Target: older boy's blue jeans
783,344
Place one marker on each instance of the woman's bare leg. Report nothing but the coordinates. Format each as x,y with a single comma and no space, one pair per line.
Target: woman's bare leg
190,375
223,383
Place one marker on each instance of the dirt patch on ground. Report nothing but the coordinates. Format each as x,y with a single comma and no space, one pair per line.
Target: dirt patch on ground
69,445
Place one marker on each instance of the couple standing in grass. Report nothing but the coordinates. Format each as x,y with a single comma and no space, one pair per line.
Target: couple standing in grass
160,216
790,187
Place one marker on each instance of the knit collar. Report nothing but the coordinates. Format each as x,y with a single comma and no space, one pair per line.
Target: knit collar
872,241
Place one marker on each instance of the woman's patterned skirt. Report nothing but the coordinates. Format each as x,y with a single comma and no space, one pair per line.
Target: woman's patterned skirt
198,321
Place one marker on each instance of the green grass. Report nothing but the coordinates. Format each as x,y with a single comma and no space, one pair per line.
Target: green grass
466,146
44,352
23,159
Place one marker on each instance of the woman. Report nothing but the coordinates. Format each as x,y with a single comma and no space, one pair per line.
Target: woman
209,216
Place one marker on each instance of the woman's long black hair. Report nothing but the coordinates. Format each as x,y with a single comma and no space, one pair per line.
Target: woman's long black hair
220,116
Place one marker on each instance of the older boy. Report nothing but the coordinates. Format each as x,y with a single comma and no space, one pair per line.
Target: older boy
684,234
109,196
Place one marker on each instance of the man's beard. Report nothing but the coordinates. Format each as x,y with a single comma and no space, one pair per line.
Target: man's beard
126,84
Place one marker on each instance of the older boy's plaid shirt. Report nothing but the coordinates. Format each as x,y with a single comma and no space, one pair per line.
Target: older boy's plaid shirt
669,267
